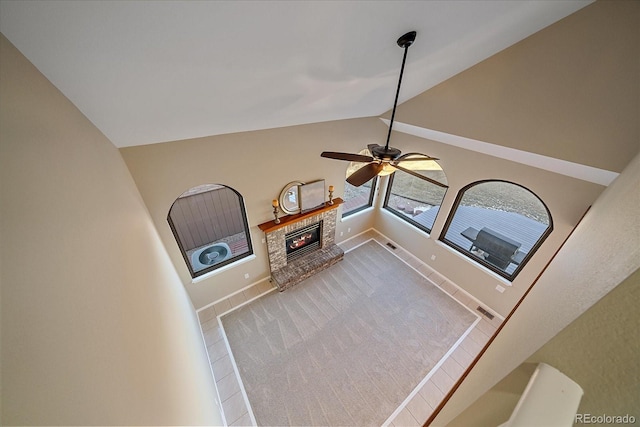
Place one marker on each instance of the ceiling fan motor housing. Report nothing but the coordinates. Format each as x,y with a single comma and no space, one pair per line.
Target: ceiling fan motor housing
385,153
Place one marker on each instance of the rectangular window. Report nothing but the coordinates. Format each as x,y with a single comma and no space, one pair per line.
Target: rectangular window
358,198
415,200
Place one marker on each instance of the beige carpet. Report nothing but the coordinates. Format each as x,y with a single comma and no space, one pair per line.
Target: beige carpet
346,346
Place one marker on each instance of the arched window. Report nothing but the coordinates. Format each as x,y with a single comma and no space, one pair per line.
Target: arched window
358,198
498,224
416,199
209,223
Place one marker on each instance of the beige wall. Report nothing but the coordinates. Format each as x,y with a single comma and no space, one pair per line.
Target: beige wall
269,159
258,165
540,97
577,79
599,351
569,91
602,252
96,326
567,200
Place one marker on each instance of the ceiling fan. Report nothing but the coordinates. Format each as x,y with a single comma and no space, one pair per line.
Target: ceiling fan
383,160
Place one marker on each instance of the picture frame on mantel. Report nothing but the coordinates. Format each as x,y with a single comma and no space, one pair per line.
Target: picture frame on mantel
312,196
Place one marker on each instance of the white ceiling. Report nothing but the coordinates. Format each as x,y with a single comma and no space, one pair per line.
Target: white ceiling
155,71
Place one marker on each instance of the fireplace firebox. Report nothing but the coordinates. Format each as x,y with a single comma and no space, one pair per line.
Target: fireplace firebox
303,241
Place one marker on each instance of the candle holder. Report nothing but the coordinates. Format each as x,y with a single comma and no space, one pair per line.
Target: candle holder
275,205
331,194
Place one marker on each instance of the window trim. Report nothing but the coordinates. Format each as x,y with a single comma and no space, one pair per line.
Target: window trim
234,259
386,207
404,218
474,258
222,269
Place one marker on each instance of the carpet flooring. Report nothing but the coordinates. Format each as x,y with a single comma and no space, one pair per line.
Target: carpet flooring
346,346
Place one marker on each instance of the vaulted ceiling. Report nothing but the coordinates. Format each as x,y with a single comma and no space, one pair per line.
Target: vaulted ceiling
153,71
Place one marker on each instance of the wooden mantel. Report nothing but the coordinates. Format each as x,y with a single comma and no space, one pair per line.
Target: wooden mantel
270,226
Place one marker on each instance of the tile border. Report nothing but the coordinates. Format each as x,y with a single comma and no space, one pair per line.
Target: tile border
428,390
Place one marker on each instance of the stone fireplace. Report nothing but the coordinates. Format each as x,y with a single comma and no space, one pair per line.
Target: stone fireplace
302,245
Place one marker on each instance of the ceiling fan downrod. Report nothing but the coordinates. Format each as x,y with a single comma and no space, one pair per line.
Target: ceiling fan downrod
404,42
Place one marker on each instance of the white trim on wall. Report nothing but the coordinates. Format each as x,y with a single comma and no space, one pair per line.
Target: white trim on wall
563,167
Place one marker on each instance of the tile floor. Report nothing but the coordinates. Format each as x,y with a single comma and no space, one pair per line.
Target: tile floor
414,412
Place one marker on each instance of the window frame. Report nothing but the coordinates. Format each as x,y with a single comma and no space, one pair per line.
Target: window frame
478,260
221,264
372,194
385,204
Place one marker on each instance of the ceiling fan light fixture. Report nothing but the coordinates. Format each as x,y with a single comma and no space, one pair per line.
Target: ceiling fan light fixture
387,169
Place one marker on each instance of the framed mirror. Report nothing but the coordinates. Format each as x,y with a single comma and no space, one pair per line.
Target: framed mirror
290,198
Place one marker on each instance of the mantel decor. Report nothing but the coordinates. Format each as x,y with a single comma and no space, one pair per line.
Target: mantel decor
270,226
275,211
290,198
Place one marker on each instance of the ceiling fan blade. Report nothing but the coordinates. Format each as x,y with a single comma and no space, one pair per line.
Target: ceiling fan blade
416,159
364,174
346,156
416,174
